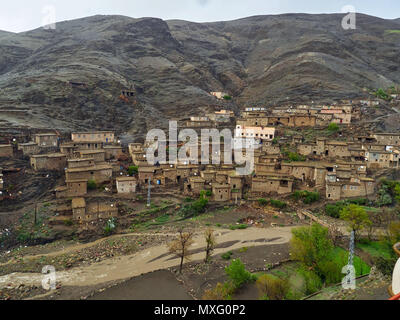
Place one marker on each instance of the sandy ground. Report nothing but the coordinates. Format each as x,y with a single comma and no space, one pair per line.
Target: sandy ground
151,259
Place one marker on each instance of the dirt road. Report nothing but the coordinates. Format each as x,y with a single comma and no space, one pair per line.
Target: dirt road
152,259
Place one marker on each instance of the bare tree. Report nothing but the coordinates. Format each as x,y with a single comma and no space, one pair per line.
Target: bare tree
211,242
180,245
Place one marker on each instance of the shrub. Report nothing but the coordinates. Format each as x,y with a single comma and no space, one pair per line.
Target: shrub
239,226
227,255
68,222
91,185
238,274
382,94
263,202
272,288
333,127
306,196
277,204
133,170
385,265
333,210
222,291
313,282
295,157
195,207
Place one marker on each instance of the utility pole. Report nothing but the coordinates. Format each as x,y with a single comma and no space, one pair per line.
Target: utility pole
351,251
149,194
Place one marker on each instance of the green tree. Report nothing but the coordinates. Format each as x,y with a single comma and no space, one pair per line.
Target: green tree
311,246
238,274
356,216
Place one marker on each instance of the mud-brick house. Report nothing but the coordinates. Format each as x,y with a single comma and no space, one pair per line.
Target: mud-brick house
221,177
112,151
79,209
382,159
68,149
184,171
266,168
357,153
93,137
46,140
236,183
6,151
29,148
73,188
99,173
324,119
221,192
310,173
135,147
338,115
170,175
49,162
194,186
389,139
325,148
148,172
97,155
208,175
272,184
101,210
299,120
271,149
139,158
126,185
337,189
80,162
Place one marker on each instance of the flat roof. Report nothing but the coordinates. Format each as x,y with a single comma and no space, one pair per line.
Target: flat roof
90,151
80,159
91,132
78,203
126,179
49,155
76,180
91,168
46,134
28,144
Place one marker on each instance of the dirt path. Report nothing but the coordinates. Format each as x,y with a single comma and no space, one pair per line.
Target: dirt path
76,247
151,259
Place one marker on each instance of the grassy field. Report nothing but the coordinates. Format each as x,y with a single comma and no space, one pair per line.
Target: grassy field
376,249
392,31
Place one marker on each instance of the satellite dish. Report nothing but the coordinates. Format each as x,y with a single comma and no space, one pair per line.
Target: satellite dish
396,278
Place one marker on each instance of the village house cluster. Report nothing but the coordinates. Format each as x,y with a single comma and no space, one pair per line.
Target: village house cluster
96,162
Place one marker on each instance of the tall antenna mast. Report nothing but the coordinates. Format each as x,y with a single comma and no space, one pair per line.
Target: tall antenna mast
149,194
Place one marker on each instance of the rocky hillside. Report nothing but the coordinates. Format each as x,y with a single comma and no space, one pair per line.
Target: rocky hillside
172,65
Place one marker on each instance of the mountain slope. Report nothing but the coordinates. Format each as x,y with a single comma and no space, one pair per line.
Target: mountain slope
174,64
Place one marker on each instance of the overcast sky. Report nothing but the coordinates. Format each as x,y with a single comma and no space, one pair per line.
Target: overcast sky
23,15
